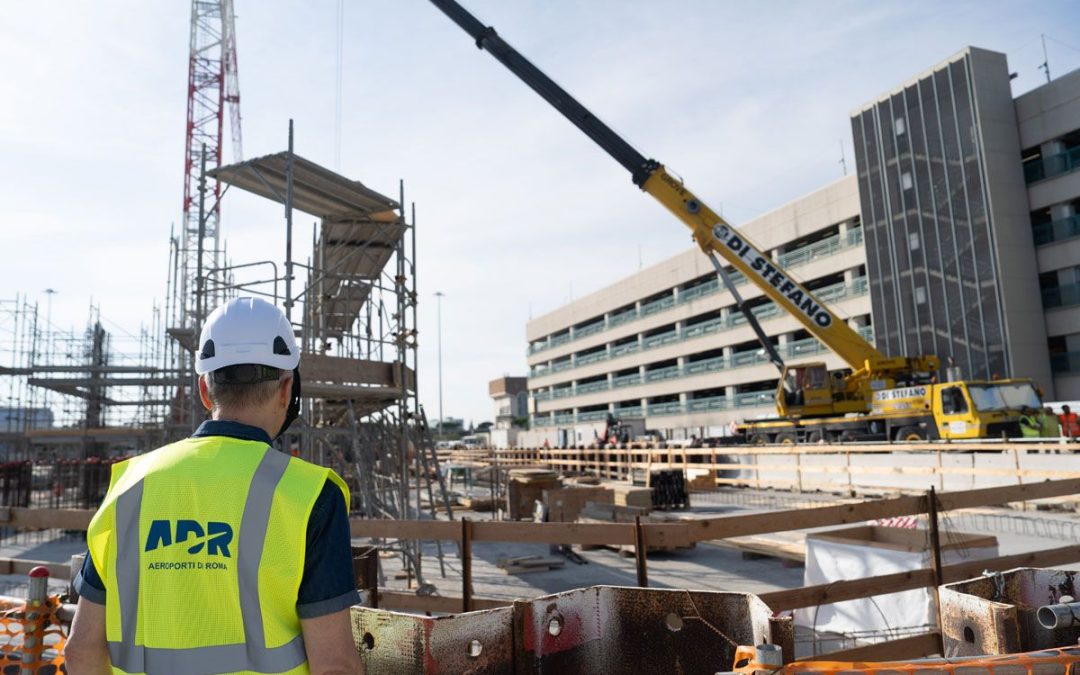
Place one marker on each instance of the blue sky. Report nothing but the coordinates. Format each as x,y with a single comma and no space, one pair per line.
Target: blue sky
749,102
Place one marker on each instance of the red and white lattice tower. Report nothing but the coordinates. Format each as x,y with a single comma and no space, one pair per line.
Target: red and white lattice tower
212,83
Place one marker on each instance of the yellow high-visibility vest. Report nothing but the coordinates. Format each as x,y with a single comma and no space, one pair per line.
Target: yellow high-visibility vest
201,547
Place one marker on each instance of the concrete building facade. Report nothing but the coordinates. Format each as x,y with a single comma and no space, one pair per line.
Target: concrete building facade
962,217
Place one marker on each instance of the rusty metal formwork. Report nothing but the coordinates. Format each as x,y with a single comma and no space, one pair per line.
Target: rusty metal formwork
602,629
997,613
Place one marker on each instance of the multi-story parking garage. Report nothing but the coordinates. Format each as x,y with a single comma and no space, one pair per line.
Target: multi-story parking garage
667,343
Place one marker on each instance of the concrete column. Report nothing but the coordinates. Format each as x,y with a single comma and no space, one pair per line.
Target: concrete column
776,253
782,341
679,327
729,392
610,379
849,276
725,313
843,229
728,353
675,294
644,407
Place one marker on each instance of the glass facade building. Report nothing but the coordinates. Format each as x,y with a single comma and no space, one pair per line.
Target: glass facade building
934,277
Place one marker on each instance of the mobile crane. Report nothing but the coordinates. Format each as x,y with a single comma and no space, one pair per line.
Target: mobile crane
878,397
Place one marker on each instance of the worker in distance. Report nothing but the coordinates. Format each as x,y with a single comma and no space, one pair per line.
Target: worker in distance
218,553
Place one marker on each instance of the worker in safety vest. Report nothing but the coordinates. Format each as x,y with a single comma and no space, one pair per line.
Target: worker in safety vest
218,553
1029,423
1070,425
1049,425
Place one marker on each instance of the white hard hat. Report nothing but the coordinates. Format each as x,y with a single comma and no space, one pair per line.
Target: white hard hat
246,330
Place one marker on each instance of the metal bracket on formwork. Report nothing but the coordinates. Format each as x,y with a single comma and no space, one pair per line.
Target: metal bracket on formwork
597,629
997,613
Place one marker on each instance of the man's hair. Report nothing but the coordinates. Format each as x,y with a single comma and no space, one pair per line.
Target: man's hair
233,393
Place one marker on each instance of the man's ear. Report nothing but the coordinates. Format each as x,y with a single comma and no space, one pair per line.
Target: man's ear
285,391
204,393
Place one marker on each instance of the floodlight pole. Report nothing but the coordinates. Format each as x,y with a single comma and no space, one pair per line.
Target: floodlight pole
438,299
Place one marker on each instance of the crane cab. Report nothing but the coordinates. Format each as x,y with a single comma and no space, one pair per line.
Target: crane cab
812,390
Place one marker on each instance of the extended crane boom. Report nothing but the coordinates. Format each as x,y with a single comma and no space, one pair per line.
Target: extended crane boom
711,232
805,391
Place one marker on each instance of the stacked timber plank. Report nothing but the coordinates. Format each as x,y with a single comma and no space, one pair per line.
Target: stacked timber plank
476,502
525,487
629,495
565,504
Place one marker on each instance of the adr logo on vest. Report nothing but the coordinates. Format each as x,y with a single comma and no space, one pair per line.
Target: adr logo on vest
215,538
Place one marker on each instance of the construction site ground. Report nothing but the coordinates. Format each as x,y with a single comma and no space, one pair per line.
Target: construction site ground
711,565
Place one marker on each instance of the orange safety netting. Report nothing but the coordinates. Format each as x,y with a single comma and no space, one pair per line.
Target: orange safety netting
1062,661
34,630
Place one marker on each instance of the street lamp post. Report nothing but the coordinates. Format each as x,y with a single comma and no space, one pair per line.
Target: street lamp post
438,299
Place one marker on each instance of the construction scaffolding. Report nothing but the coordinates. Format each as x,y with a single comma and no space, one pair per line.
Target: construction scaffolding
74,401
355,316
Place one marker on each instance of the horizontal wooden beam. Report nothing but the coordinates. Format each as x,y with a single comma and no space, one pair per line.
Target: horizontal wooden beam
839,591
443,604
853,589
383,528
21,566
46,519
555,533
798,519
913,647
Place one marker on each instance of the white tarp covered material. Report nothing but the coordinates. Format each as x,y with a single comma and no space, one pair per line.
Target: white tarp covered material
836,557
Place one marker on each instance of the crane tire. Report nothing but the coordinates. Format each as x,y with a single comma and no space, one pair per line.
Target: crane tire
910,434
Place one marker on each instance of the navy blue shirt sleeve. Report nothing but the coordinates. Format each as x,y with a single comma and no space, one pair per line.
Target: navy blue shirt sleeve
328,584
88,583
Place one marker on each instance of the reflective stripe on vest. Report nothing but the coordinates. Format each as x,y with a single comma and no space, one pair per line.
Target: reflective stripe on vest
254,655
